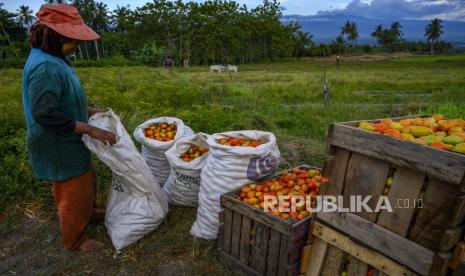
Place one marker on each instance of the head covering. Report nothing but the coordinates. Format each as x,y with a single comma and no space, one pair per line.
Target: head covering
65,20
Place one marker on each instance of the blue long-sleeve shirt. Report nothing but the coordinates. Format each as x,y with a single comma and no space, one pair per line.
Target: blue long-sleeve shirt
53,100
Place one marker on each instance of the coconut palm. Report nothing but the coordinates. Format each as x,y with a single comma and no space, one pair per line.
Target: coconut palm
25,16
433,31
120,18
350,29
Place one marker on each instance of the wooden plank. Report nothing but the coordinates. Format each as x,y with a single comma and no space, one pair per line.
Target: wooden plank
293,269
434,218
246,238
273,253
388,243
460,270
459,253
258,215
220,230
284,254
440,264
459,212
236,266
365,176
450,238
334,262
317,257
356,267
236,234
377,260
447,166
259,247
295,252
407,185
227,228
305,258
338,172
301,229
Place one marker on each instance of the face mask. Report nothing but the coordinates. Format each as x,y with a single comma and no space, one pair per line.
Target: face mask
69,47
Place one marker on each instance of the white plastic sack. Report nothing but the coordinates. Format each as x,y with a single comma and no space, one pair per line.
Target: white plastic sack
229,168
135,204
154,151
183,184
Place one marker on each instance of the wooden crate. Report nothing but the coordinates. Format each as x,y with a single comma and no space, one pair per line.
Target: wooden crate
419,240
253,242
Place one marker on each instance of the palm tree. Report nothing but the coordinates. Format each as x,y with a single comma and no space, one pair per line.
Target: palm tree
378,33
350,29
120,18
433,31
25,16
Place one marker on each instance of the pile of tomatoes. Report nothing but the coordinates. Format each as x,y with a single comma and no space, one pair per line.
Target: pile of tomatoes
162,132
192,153
296,182
236,142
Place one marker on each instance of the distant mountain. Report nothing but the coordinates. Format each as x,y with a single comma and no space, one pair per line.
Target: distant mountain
325,28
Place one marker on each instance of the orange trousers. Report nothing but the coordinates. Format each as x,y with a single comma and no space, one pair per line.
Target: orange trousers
75,201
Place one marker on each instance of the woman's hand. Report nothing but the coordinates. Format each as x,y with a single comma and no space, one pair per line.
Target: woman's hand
102,135
92,110
97,133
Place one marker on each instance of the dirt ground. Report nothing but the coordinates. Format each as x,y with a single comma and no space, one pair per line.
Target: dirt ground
31,244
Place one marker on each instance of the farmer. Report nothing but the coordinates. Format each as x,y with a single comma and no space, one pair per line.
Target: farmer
56,113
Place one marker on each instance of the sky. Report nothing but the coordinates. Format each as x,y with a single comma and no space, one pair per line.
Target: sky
399,9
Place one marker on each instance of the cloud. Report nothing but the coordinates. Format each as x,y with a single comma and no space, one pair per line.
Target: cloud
404,9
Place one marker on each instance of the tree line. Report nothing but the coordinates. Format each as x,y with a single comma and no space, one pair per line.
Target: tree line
212,32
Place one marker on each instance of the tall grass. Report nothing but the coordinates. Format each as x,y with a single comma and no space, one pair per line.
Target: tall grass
285,98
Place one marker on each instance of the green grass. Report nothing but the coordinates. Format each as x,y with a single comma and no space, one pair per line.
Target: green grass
285,98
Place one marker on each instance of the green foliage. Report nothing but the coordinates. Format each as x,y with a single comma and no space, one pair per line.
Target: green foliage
150,54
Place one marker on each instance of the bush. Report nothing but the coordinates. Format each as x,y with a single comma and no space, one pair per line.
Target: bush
150,54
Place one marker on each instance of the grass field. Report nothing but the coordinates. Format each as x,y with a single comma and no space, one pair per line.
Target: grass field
285,98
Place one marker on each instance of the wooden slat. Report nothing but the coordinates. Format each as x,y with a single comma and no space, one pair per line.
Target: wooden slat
447,166
406,185
293,269
317,257
258,215
434,217
259,247
295,252
227,228
356,267
377,260
338,172
305,258
301,229
388,243
440,264
460,270
459,253
284,254
450,238
246,237
220,230
458,215
236,234
365,176
273,253
235,265
334,262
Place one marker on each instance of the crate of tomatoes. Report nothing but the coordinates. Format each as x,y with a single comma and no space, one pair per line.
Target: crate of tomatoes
264,228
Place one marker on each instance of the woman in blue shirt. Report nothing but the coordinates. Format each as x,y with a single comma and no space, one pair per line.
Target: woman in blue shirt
56,113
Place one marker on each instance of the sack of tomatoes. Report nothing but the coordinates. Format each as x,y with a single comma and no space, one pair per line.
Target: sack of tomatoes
187,158
234,159
157,136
